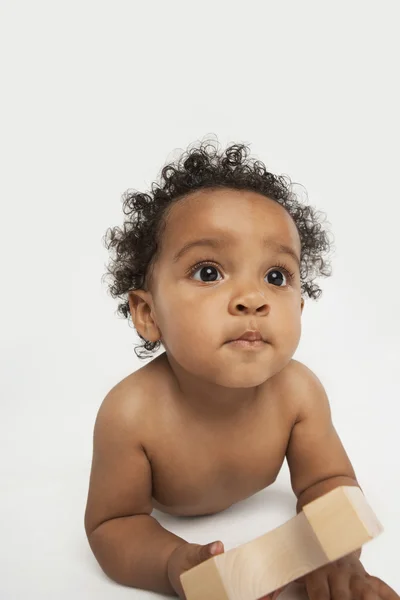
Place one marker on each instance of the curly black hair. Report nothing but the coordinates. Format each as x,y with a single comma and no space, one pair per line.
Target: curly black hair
136,245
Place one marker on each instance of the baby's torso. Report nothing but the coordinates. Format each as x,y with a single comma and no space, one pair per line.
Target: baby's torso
200,467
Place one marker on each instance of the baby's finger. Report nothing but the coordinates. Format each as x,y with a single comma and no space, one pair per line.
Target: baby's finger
273,595
382,589
277,592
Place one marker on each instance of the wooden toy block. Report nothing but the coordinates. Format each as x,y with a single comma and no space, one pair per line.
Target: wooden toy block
326,529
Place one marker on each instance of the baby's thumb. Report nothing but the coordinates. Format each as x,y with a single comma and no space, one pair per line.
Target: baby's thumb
209,550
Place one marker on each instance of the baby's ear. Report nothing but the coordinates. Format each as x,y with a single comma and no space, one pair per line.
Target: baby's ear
302,304
138,306
133,302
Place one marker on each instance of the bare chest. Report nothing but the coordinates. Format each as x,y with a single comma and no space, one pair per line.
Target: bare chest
198,470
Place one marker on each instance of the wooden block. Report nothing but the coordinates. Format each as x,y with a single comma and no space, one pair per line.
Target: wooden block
328,528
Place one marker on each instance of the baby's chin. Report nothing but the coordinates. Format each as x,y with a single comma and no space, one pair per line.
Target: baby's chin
237,380
242,373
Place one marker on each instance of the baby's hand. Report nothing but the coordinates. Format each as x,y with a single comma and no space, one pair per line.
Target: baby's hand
186,557
346,579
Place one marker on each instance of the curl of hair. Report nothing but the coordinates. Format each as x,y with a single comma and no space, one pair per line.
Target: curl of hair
135,247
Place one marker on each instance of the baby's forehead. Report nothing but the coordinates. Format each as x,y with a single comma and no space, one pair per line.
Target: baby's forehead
229,220
226,210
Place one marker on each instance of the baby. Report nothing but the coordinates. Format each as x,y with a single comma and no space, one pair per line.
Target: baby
214,264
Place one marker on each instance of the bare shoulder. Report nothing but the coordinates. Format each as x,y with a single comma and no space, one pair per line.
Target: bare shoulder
132,399
299,386
298,373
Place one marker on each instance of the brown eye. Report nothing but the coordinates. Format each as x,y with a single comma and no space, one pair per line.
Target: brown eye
279,276
275,276
207,272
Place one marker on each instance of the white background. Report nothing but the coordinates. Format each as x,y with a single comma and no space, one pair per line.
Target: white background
95,98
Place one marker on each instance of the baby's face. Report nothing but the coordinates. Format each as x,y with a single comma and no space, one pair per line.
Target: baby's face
241,285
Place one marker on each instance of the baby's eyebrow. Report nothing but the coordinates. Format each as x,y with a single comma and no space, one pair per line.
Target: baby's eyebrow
221,242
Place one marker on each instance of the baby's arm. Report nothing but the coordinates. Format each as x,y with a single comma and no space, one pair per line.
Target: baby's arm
316,457
131,547
318,463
